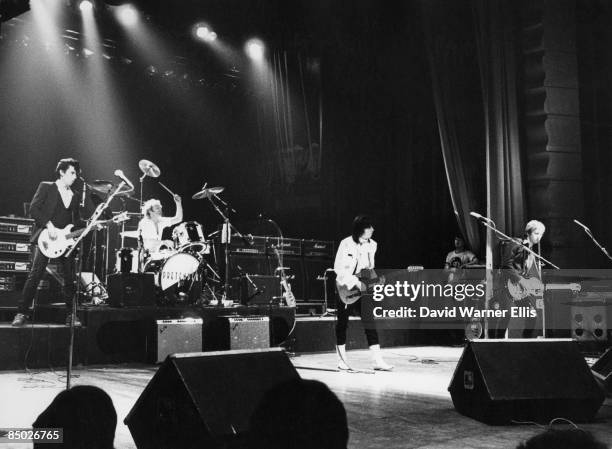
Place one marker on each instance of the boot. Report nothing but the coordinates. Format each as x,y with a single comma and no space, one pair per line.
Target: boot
379,363
342,361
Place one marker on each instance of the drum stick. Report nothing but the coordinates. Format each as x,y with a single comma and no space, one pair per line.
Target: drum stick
167,189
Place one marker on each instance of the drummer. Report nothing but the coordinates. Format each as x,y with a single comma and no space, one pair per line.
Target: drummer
153,223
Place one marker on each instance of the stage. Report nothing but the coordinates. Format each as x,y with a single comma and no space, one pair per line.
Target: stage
407,408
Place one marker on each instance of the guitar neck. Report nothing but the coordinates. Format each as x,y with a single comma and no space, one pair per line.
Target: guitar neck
78,232
74,234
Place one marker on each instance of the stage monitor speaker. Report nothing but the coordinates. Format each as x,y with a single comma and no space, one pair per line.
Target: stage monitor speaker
504,381
131,289
602,370
205,400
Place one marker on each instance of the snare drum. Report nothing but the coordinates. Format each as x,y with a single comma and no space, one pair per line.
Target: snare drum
126,261
162,251
188,237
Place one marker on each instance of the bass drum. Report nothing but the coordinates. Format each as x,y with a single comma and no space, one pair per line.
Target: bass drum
179,280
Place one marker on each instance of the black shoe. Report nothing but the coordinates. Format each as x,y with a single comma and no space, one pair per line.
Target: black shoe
77,322
19,320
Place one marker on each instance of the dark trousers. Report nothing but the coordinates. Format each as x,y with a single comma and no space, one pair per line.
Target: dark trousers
363,307
39,264
497,327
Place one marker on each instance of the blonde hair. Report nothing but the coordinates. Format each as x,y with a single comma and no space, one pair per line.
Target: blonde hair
533,225
148,205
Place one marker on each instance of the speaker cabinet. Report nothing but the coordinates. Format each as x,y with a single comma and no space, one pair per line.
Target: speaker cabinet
501,381
205,400
588,317
259,289
246,332
241,264
174,336
314,272
131,289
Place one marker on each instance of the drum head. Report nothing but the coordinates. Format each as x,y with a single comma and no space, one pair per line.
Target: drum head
195,247
177,269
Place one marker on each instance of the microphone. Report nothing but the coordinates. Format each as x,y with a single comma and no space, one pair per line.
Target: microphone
478,216
119,173
587,230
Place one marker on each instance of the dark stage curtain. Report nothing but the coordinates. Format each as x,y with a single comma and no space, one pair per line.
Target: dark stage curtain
454,74
496,42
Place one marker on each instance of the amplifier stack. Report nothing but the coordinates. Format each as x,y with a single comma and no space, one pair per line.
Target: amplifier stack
15,248
258,257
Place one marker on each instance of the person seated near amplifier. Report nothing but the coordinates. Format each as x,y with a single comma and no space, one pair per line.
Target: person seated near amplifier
461,256
152,225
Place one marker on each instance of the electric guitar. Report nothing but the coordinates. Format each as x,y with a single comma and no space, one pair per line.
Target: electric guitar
54,248
368,278
536,288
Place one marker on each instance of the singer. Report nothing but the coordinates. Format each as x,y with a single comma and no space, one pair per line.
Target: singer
54,206
152,225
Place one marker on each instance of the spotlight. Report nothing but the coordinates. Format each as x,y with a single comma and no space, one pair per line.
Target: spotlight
205,33
127,15
255,49
86,5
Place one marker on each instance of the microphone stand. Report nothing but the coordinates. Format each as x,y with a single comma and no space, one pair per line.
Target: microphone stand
326,310
226,235
279,254
90,224
588,232
540,259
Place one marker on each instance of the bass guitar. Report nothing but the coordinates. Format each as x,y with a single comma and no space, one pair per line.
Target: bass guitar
54,248
287,293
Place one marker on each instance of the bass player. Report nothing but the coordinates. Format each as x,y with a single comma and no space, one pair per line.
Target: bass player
355,253
54,206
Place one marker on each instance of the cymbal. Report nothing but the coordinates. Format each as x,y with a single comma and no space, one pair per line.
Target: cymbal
130,234
207,193
149,168
102,186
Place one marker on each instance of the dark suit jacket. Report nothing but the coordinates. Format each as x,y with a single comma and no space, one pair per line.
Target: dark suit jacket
43,205
515,262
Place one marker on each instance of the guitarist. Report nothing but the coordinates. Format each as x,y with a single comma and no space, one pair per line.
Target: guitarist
520,265
356,253
54,206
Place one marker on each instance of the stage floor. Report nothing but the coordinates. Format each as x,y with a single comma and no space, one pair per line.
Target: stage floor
407,408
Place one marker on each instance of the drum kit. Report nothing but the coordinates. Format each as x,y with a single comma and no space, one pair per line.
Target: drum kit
184,267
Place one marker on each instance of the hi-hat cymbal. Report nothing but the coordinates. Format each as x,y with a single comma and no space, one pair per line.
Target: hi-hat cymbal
207,193
149,168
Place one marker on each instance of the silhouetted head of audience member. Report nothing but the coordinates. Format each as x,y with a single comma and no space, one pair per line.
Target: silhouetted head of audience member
299,414
563,439
87,415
